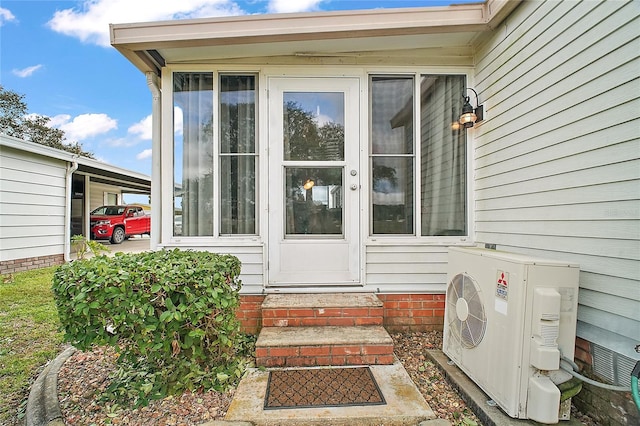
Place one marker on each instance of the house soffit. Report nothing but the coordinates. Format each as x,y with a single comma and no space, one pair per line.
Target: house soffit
426,31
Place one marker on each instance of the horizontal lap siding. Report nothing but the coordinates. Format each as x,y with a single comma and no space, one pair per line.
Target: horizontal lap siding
251,257
406,268
97,190
32,190
557,162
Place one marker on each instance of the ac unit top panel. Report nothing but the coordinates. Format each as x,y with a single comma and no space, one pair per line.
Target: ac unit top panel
513,257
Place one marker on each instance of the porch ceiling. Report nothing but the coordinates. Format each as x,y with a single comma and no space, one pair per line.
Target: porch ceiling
426,31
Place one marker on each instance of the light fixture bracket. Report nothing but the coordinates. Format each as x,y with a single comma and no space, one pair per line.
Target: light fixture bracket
471,115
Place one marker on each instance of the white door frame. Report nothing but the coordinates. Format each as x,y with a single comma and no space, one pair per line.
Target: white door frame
314,260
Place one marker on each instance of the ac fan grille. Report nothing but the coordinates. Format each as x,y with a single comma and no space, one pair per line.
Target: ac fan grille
469,331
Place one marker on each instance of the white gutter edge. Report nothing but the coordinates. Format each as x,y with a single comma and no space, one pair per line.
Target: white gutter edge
156,146
71,167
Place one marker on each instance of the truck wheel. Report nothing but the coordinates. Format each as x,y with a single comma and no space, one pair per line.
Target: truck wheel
118,236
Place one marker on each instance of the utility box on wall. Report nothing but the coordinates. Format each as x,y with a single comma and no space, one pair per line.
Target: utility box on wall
508,320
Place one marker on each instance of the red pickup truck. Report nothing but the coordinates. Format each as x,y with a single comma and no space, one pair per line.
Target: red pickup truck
117,223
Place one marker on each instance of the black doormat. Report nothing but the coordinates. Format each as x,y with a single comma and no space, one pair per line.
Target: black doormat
322,387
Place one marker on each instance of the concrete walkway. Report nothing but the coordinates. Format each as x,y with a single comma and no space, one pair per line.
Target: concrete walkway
135,244
404,404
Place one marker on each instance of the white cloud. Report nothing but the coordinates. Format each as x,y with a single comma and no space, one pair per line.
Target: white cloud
142,128
90,22
144,154
289,6
26,72
83,126
120,142
178,121
6,16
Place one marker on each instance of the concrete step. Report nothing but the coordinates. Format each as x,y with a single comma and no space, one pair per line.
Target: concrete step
311,310
404,404
323,346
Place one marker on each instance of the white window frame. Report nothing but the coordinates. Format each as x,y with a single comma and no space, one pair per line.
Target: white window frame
262,122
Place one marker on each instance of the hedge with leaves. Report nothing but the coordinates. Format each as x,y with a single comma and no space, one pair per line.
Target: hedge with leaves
170,315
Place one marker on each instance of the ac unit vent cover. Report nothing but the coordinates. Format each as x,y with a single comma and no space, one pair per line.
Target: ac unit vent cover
466,317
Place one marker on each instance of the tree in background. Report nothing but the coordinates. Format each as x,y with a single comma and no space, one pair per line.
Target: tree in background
14,121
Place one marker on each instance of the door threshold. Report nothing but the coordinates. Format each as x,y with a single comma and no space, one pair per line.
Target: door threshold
356,288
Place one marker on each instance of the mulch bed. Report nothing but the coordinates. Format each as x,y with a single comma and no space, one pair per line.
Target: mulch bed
322,387
86,374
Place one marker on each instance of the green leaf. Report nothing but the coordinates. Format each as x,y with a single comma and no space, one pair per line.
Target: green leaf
166,316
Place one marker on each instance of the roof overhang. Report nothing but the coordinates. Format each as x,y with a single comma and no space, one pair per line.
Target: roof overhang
151,45
127,180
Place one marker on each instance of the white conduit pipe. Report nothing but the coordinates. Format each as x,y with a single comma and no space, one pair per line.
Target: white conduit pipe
71,167
156,146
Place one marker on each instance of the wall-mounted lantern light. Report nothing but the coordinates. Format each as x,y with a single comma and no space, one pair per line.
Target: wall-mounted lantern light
471,115
308,184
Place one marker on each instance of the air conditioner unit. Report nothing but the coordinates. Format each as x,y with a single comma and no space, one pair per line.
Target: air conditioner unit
508,317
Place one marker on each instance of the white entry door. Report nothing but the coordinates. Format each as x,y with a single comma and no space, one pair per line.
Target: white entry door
314,182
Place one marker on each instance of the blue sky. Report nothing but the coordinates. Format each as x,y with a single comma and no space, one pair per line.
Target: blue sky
57,54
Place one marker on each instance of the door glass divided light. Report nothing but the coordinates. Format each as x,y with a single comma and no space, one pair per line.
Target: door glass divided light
210,154
313,154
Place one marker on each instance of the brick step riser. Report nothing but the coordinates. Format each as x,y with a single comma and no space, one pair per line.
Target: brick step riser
333,355
322,317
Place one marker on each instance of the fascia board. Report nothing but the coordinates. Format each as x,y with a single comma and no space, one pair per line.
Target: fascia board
132,38
299,26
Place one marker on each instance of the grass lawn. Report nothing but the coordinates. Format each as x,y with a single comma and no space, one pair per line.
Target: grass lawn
29,337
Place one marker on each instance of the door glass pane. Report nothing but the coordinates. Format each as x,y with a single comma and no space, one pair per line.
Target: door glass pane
313,126
313,201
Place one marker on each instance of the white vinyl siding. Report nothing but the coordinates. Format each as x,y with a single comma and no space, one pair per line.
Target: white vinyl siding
97,193
406,268
557,161
251,256
32,212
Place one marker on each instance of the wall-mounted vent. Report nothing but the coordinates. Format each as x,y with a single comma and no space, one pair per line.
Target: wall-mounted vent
614,367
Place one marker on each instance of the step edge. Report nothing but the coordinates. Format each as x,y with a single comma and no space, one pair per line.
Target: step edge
324,335
313,301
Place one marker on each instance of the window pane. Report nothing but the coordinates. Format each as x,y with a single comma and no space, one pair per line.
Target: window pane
237,114
392,195
313,126
193,153
238,194
314,201
443,156
392,115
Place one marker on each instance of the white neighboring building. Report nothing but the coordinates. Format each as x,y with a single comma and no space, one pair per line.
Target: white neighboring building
46,196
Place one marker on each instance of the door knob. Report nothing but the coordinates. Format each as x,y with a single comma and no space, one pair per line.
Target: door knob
354,187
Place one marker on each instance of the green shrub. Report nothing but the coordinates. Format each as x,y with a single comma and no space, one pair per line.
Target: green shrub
169,314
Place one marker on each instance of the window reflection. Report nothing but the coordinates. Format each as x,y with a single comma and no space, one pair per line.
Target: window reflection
443,156
314,201
238,180
193,148
392,155
313,126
